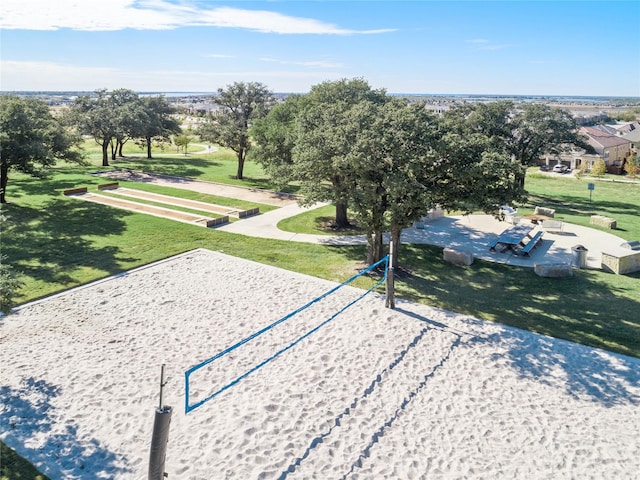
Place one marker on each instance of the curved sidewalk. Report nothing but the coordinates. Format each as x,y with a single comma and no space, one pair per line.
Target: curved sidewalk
471,233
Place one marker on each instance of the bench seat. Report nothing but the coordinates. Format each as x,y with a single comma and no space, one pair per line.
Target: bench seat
493,243
532,243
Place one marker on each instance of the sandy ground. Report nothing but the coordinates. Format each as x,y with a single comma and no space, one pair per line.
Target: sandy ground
414,393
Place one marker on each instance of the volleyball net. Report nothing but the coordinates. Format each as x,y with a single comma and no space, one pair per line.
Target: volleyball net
226,363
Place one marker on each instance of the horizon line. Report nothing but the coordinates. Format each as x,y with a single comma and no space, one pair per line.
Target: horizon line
197,92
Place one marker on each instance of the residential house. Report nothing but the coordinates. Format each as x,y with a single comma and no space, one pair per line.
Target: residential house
626,128
634,138
608,145
631,132
611,147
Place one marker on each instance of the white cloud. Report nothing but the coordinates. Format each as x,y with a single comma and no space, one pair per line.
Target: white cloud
51,76
103,15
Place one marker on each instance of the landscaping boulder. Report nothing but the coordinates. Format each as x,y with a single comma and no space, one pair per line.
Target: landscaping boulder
553,270
621,260
602,221
457,257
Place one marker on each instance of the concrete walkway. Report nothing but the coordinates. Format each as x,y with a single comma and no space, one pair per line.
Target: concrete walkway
471,233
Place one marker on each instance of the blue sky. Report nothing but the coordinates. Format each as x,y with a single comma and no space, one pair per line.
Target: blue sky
432,47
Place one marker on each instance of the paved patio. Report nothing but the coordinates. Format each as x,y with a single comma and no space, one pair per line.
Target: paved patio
471,233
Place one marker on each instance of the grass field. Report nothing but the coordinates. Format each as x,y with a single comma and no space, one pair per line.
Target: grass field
57,243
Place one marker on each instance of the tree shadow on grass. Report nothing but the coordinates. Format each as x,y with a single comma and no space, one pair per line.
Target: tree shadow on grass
182,166
28,428
570,205
50,242
586,308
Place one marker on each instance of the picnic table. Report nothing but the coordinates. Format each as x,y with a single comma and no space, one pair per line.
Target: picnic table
512,237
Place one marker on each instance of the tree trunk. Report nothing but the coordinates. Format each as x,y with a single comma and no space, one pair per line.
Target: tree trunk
341,214
370,256
395,239
120,145
375,250
113,150
379,252
240,164
148,139
4,179
519,177
105,154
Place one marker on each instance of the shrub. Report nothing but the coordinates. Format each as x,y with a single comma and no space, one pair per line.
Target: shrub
632,167
599,168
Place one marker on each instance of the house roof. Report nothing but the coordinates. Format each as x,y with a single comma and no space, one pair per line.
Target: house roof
633,136
603,138
605,128
629,127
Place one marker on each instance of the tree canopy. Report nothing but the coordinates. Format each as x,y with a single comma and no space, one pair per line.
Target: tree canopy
240,104
159,124
113,118
31,139
524,131
94,115
385,159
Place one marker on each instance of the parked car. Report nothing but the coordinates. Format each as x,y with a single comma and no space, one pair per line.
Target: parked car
559,168
544,167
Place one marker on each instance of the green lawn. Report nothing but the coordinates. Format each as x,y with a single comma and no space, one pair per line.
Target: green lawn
570,198
58,242
319,221
200,197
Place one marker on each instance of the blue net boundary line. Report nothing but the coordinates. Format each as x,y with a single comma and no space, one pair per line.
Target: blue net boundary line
189,407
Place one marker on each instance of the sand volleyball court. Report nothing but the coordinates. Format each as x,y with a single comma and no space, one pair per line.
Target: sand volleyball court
414,393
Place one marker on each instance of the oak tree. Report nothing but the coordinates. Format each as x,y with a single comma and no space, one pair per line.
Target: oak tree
240,104
31,139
